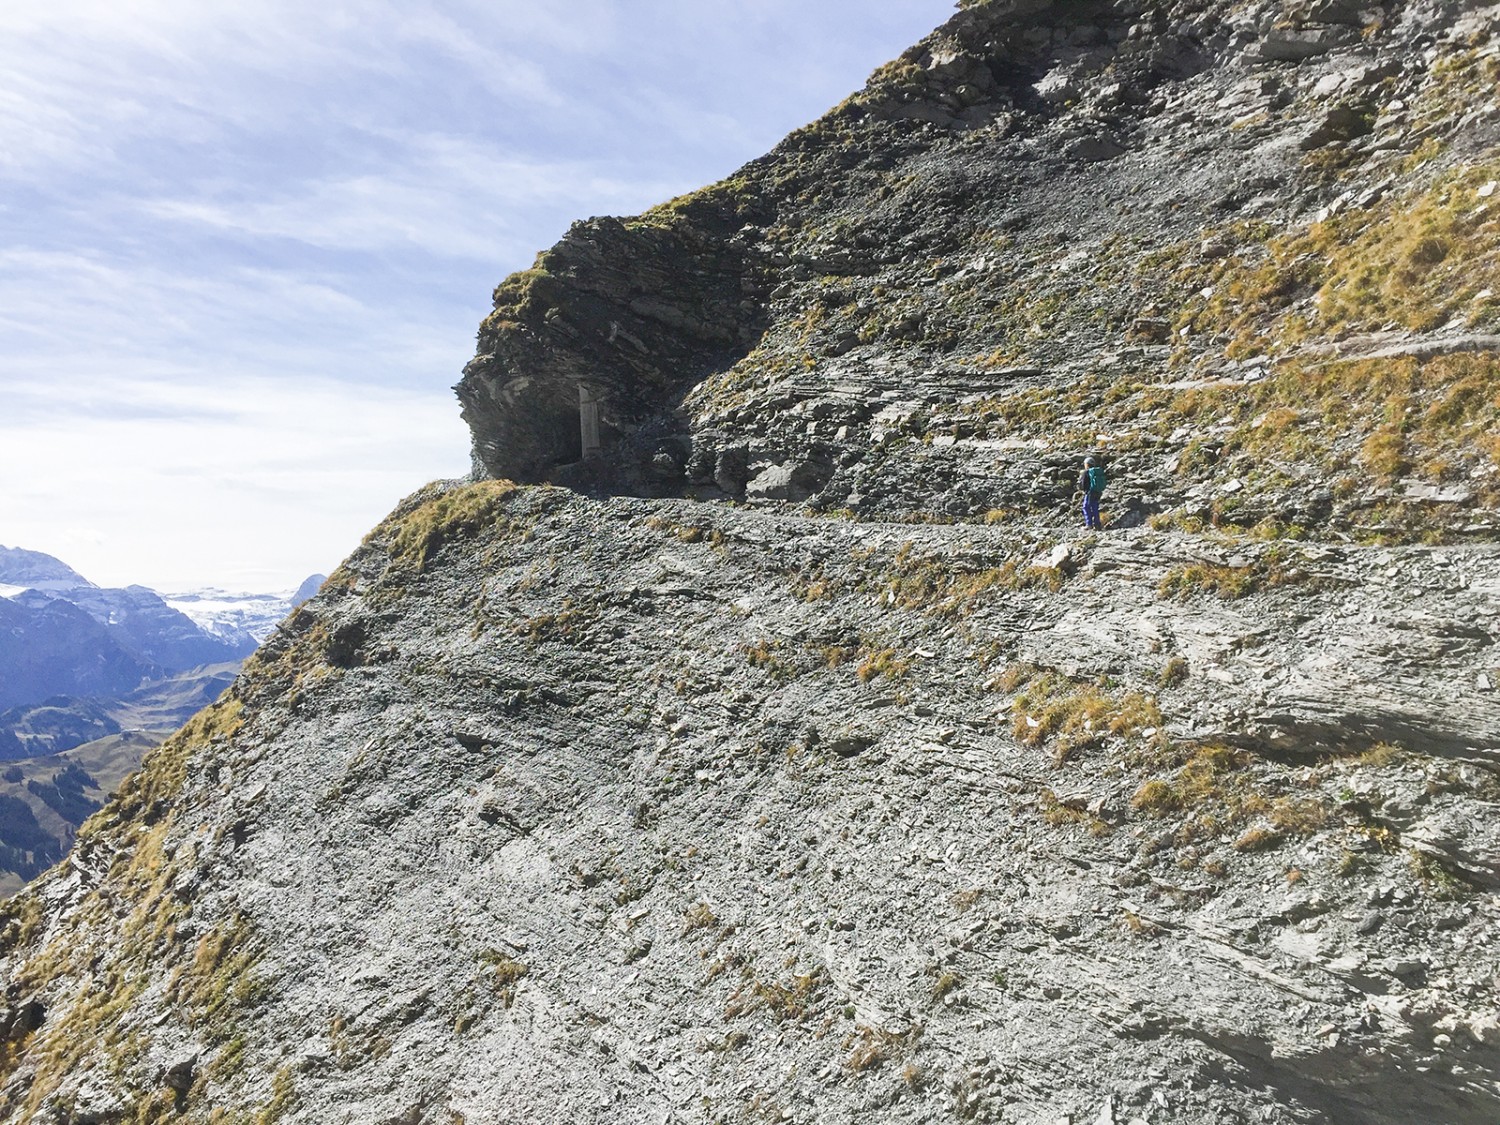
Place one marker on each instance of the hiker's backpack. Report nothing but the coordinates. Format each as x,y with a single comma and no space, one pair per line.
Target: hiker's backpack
1095,479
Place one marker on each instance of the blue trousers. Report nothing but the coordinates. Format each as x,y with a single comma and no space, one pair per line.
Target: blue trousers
1091,511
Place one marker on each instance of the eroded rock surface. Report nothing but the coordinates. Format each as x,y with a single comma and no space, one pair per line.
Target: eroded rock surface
1021,242
649,810
800,761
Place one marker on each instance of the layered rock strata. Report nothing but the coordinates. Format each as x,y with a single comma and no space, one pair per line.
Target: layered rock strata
881,794
551,809
1024,239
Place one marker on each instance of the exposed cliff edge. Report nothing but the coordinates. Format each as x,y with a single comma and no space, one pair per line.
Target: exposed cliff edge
881,794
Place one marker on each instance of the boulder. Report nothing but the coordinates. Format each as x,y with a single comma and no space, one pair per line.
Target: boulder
1462,839
1342,123
1288,45
1091,149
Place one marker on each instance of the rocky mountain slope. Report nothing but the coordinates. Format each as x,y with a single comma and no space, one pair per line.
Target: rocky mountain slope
121,668
781,751
44,799
1249,251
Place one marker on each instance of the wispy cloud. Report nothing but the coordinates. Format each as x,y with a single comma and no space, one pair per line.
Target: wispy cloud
85,79
78,319
445,195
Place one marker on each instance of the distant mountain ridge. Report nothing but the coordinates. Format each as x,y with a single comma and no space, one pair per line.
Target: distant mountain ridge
35,571
108,673
240,617
64,639
52,647
65,636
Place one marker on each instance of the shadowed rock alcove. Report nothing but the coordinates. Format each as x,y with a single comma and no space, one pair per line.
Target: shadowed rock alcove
588,353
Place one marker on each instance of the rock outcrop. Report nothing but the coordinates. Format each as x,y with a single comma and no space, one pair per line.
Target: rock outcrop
881,793
1032,236
617,320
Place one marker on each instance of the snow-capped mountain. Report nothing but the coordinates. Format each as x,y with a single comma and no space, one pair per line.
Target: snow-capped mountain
21,569
65,636
237,618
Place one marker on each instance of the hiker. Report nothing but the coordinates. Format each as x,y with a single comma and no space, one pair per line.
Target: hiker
1091,482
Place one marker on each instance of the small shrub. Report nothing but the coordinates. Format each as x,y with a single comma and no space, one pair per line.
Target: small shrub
1298,817
789,1002
1258,839
1382,754
283,1098
1384,453
1174,672
946,982
768,656
1215,792
1443,881
699,916
1014,676
1272,569
872,1046
1156,796
836,656
882,662
506,974
1073,715
1201,779
1057,813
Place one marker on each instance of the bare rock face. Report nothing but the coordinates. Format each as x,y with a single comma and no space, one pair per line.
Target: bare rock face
736,813
882,793
1011,248
617,321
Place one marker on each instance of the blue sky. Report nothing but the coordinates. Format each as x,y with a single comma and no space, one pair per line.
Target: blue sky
245,244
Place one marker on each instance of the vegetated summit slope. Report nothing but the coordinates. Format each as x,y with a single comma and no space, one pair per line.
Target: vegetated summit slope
650,808
1250,251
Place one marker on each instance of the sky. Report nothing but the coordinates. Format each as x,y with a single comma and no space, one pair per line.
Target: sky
245,245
